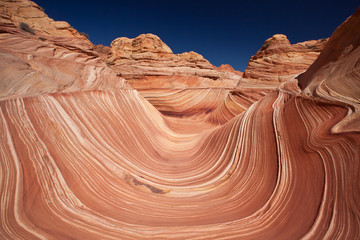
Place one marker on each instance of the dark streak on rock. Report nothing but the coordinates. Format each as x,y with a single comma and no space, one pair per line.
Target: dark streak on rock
151,188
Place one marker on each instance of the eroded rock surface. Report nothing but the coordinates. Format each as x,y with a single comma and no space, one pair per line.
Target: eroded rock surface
39,55
95,160
103,51
278,60
335,74
176,84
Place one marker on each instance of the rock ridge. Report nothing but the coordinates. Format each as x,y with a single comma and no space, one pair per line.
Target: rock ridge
278,60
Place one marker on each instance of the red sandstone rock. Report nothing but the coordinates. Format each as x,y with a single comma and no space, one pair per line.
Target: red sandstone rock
150,67
176,84
334,76
15,12
102,163
103,51
228,68
51,58
147,55
279,61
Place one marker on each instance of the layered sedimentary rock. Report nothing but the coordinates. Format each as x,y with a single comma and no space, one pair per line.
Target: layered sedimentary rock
228,68
239,100
100,162
103,51
176,84
39,55
278,60
147,55
335,74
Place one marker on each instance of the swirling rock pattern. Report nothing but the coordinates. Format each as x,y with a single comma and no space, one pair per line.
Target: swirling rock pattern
276,61
176,84
334,76
103,163
179,84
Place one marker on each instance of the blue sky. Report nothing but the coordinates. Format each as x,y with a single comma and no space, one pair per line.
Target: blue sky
222,31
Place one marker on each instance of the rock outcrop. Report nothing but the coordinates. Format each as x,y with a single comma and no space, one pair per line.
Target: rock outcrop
334,76
228,68
15,12
95,160
176,84
147,55
39,55
103,51
279,61
276,62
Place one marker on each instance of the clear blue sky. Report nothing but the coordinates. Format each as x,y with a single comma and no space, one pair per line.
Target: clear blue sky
222,31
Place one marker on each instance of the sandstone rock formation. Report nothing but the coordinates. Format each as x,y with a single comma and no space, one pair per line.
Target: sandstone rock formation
239,100
14,12
176,84
95,160
335,74
169,80
147,55
52,58
278,60
228,68
103,51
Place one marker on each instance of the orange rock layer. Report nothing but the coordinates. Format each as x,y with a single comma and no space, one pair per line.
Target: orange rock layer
95,160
